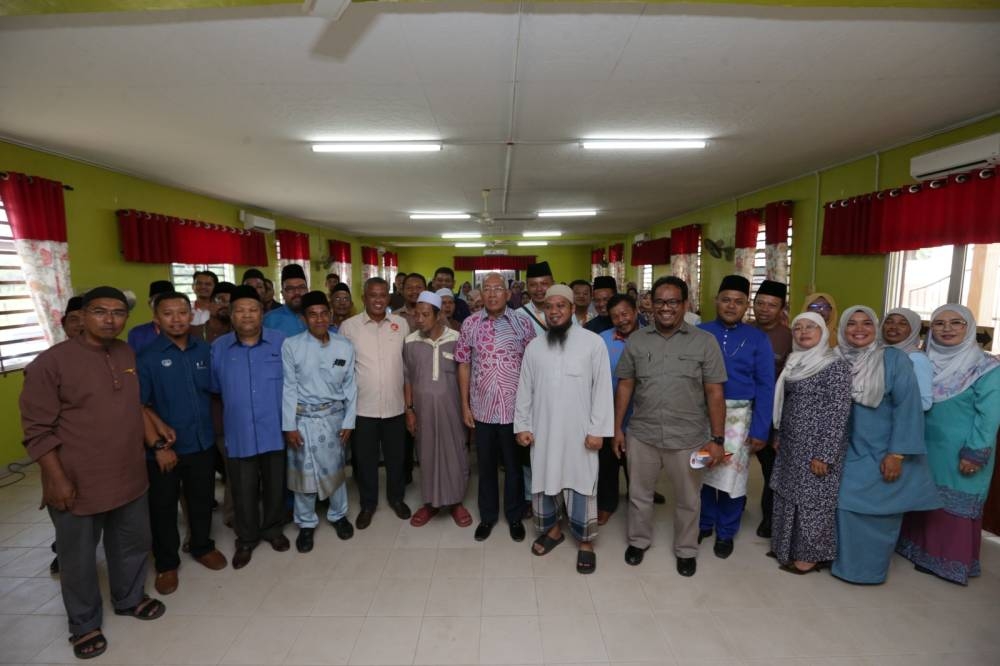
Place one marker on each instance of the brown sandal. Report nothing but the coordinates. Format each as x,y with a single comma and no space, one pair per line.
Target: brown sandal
89,645
147,609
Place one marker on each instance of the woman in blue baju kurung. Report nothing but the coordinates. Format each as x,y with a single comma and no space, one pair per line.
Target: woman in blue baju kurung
961,433
885,470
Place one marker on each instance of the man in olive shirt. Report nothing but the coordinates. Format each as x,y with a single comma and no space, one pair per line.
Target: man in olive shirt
83,425
673,373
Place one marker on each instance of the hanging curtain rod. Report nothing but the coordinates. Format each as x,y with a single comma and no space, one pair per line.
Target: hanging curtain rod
68,188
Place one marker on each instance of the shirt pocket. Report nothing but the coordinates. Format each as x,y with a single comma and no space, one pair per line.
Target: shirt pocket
271,369
687,366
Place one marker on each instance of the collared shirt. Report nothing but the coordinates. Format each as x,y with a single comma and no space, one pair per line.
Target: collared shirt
250,381
83,403
670,373
177,384
284,320
140,336
749,360
615,344
494,348
781,344
315,374
378,348
599,324
199,315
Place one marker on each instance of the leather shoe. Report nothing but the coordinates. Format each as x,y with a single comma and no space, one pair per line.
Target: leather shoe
703,534
686,566
304,541
213,559
764,529
364,519
241,557
483,531
166,582
634,555
402,511
723,548
659,499
280,543
517,531
343,528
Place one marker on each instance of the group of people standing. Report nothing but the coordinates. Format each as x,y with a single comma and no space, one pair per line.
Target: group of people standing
561,392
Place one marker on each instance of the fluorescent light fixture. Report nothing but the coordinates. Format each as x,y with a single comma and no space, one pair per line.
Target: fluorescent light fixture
377,147
462,234
531,243
440,215
470,244
642,144
567,213
541,234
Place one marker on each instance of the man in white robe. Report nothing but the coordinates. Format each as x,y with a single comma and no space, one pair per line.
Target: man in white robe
563,411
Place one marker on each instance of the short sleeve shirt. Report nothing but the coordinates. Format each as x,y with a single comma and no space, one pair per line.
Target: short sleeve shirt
670,373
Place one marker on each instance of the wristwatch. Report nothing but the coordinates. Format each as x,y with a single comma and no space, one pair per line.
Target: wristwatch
718,439
160,444
410,407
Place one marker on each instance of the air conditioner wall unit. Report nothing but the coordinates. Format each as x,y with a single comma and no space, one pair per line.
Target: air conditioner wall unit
639,238
966,156
494,251
256,222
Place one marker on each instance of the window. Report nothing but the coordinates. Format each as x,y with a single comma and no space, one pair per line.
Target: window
760,262
645,277
182,275
21,337
924,279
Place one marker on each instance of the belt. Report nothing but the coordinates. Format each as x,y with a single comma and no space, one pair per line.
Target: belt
308,409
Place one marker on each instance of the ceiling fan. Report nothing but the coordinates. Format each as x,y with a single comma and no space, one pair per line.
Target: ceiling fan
495,222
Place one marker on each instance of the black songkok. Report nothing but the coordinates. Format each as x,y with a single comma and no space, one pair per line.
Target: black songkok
541,269
243,291
735,283
251,273
292,272
160,287
73,304
341,286
223,288
605,282
773,288
314,298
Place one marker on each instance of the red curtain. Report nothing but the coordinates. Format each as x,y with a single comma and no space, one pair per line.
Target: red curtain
369,255
684,240
339,251
35,207
158,239
616,253
294,245
496,262
777,218
391,259
958,210
747,227
597,257
656,252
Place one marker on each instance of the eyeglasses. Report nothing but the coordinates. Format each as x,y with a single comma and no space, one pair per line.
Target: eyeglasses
493,290
669,303
101,313
341,299
820,307
941,324
801,328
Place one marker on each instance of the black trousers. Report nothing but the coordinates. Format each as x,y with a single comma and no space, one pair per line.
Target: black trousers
194,475
766,457
608,489
371,435
495,442
258,496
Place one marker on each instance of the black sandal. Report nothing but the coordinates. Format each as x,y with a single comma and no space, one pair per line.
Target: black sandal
147,609
89,645
586,561
547,543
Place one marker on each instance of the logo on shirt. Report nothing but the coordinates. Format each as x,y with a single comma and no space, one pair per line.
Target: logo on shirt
394,326
166,363
340,361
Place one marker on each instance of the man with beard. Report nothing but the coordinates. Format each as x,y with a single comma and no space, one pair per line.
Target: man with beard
218,323
434,412
539,280
605,287
318,411
174,382
413,285
749,394
768,305
288,317
565,373
246,370
203,283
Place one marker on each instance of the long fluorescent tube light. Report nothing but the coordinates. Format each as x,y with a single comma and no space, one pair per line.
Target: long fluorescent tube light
470,244
541,234
531,243
462,234
442,215
377,147
567,213
643,144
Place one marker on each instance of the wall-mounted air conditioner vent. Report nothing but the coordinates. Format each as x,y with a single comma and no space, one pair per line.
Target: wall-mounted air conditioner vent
966,156
256,222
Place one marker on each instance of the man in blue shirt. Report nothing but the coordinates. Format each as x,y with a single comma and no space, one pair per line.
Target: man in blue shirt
749,394
246,370
174,382
288,318
142,334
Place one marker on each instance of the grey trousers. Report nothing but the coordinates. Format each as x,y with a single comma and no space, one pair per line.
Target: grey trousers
127,543
258,485
644,464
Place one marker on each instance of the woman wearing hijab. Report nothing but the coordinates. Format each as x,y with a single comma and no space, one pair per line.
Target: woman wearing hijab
885,469
812,406
901,329
823,304
961,431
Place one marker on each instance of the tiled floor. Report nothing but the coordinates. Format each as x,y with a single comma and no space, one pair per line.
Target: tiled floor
401,595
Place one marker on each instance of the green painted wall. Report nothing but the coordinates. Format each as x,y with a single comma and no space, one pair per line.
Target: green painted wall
94,251
849,279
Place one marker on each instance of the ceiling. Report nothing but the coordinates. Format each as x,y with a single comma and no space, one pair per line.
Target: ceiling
226,101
